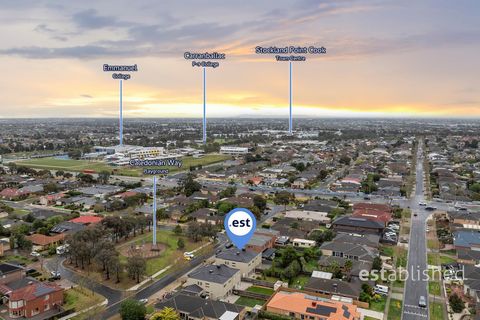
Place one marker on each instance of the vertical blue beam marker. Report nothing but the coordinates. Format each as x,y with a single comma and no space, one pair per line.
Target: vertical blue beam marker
154,242
290,115
204,106
121,116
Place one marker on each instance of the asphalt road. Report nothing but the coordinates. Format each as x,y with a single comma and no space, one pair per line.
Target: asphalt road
416,284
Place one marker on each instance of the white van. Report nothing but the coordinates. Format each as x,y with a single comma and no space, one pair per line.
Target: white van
382,290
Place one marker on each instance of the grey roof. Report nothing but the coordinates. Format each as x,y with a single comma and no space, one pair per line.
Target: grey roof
363,252
213,273
20,283
199,308
466,238
100,189
468,254
67,226
259,240
466,215
371,240
358,222
234,254
334,286
6,268
192,289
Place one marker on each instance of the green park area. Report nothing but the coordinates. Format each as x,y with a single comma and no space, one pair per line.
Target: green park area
169,252
98,166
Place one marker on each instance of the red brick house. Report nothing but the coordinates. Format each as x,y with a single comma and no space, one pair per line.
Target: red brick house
33,299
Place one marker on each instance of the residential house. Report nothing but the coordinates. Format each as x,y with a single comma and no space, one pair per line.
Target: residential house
357,225
262,239
51,199
87,220
217,281
347,250
10,273
466,239
307,215
27,298
207,215
42,242
335,287
244,260
195,308
303,305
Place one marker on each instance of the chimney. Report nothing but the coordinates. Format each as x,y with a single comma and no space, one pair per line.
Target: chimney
210,271
335,287
238,253
314,304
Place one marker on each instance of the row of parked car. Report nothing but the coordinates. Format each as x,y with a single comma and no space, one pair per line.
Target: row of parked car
390,233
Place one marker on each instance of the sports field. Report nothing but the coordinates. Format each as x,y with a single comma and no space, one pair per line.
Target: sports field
98,166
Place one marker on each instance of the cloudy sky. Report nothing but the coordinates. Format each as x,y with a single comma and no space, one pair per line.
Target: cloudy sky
384,58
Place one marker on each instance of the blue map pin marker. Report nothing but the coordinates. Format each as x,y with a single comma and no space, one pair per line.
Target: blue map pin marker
240,224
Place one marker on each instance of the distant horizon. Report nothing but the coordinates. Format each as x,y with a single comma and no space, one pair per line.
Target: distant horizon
259,117
375,63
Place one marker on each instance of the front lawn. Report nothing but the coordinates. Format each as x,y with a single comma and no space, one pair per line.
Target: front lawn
436,311
395,310
447,260
80,298
378,305
386,251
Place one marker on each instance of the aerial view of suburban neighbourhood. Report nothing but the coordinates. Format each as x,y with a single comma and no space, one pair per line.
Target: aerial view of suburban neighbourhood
240,160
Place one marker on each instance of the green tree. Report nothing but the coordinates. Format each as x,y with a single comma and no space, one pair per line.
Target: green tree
50,187
283,198
377,263
177,230
166,313
260,202
132,310
225,207
189,185
456,303
104,176
180,244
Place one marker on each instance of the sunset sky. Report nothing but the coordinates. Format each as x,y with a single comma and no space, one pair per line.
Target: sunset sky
384,58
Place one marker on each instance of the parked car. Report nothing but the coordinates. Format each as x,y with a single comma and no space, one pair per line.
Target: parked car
143,301
422,302
35,254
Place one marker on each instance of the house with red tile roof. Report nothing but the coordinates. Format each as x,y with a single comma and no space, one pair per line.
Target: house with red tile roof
12,193
51,198
41,242
87,220
126,194
33,298
301,305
